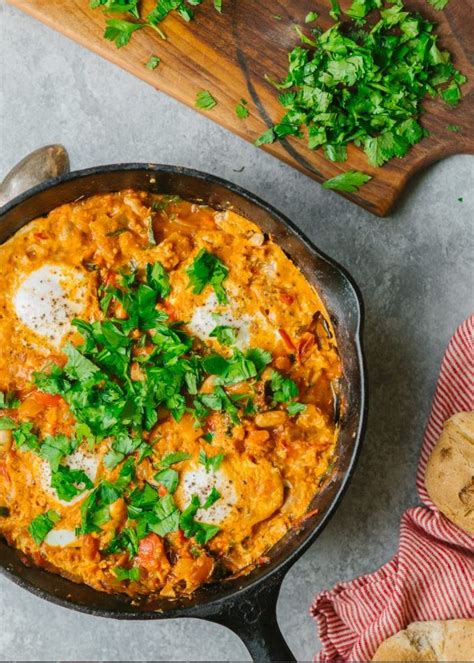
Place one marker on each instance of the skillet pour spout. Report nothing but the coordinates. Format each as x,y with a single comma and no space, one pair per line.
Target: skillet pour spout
245,604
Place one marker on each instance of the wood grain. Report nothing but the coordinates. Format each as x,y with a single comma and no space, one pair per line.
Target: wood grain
229,55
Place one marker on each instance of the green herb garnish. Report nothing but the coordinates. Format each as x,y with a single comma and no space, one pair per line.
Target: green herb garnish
205,100
438,4
202,532
207,269
349,181
241,110
152,62
210,462
120,31
42,525
365,84
127,574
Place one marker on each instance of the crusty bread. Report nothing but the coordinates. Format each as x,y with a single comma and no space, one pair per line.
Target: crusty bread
449,477
451,640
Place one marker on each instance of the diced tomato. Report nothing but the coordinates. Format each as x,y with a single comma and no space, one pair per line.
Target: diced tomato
286,298
4,472
90,547
287,340
47,400
169,310
162,490
111,279
38,559
150,551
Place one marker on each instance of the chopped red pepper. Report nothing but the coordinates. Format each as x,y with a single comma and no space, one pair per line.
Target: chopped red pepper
287,340
47,400
286,298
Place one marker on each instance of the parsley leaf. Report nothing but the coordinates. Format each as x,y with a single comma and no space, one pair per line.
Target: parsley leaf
211,462
7,423
208,269
202,532
120,31
310,17
438,4
42,525
175,457
152,62
363,81
69,483
127,574
54,448
284,389
205,100
349,181
25,438
224,334
213,496
8,401
295,408
241,110
169,479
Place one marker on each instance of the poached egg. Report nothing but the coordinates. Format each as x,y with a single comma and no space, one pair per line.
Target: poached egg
49,298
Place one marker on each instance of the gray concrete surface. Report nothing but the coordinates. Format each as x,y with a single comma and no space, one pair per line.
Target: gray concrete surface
414,270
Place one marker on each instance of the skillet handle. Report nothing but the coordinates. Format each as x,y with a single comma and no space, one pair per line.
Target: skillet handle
39,166
252,616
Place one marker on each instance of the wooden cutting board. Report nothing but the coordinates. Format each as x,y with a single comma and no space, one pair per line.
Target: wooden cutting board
229,55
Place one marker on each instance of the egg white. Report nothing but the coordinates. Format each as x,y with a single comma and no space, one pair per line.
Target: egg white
48,299
208,316
79,460
196,481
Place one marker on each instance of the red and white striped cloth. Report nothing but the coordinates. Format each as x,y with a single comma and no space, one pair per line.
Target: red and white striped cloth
431,575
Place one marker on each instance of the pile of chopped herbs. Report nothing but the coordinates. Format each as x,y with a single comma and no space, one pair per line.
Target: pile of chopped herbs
113,405
120,30
363,81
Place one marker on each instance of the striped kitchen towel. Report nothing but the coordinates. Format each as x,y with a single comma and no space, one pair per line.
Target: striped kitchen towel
431,575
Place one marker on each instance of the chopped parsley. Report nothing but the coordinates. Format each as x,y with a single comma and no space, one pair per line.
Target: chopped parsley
127,574
7,423
283,389
152,62
202,532
211,462
205,100
438,4
310,17
213,496
349,181
207,269
8,400
241,110
175,457
120,31
69,483
169,479
42,525
295,408
364,83
224,334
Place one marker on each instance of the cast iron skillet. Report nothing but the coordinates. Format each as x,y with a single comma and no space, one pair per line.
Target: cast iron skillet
246,605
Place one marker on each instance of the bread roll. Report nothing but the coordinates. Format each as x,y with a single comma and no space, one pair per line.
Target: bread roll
451,640
449,477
